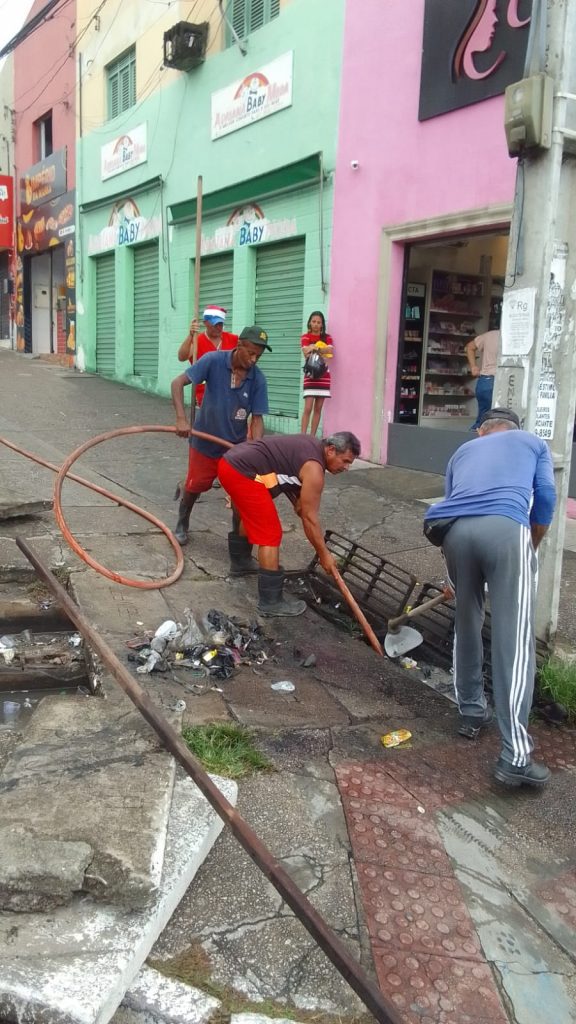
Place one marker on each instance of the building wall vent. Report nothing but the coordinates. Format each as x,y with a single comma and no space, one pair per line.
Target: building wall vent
185,45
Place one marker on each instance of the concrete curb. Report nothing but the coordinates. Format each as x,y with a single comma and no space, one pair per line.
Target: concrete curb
75,965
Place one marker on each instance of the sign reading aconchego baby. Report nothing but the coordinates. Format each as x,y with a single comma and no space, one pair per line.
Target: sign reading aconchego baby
126,151
257,95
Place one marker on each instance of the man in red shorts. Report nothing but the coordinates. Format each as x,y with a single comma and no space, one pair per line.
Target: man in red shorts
253,474
213,339
235,390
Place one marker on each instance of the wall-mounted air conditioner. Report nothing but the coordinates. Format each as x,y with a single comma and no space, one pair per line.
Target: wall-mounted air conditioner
185,45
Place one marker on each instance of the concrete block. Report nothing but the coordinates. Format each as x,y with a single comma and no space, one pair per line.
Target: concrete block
92,771
160,1000
75,965
38,873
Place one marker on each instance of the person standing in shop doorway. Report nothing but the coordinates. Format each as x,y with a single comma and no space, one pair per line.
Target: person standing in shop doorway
488,346
316,342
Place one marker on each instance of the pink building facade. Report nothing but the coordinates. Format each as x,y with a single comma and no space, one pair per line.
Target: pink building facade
45,154
422,209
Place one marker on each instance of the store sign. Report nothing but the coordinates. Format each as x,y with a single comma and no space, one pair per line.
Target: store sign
126,226
248,225
257,95
44,181
41,227
472,50
6,212
124,152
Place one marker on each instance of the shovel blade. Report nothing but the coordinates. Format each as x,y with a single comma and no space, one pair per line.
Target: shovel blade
403,640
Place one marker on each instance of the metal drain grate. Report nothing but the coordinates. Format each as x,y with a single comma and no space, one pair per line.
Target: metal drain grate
384,590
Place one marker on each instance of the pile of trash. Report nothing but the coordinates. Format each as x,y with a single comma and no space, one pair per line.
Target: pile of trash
213,650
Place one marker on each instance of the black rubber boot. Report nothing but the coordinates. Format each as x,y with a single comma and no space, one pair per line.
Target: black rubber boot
532,774
240,551
470,725
184,510
271,601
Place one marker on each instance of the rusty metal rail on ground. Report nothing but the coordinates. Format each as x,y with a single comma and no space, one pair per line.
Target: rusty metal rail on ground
351,971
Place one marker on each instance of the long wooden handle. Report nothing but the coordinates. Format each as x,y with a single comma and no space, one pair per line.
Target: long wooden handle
197,263
196,307
424,607
358,613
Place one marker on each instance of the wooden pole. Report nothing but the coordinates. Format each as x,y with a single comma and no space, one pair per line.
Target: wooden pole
197,264
358,614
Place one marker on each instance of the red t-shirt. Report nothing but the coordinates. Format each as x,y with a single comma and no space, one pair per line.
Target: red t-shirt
227,342
324,380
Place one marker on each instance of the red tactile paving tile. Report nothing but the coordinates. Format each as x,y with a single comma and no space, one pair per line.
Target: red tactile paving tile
368,783
434,788
559,896
439,990
555,747
417,912
397,837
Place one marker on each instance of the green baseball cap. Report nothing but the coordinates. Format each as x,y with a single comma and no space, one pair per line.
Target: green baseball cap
256,335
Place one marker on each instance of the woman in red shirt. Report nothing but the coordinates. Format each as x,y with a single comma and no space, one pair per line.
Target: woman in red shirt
316,390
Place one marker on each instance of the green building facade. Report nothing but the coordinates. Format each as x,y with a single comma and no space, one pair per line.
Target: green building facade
261,129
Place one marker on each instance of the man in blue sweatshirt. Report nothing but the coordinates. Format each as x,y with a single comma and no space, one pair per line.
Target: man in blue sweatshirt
500,493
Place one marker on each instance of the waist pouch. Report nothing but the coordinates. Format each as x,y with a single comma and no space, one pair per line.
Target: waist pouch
436,529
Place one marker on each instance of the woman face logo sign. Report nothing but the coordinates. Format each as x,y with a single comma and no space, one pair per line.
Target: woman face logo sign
478,37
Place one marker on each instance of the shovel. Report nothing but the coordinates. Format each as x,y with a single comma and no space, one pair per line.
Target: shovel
400,639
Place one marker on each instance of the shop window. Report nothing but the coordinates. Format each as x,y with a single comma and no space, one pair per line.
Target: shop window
247,16
121,77
43,137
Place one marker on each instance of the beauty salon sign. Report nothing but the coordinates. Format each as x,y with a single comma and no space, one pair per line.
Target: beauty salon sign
472,50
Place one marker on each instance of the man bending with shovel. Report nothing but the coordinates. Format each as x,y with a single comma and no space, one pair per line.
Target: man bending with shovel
254,474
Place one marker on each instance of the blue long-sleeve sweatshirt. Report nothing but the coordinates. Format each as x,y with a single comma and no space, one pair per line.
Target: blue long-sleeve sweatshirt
504,473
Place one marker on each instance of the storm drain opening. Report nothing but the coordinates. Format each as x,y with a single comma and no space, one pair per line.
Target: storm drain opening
41,653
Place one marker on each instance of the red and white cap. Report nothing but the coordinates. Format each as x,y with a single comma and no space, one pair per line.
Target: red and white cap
215,314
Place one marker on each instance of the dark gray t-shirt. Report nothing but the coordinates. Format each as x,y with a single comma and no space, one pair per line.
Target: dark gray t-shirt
277,461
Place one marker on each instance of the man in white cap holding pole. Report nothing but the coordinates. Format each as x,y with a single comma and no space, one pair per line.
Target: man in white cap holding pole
213,339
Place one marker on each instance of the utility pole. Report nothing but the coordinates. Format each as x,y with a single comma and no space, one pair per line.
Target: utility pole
536,372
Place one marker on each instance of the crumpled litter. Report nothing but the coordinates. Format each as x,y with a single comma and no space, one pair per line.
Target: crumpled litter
214,650
284,686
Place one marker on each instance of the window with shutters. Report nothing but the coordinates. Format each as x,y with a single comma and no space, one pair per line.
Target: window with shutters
248,15
121,76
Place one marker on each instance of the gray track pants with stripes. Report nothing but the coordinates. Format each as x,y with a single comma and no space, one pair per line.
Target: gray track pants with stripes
497,551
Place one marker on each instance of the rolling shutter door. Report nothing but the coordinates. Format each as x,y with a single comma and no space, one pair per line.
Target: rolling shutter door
105,316
146,310
216,284
278,309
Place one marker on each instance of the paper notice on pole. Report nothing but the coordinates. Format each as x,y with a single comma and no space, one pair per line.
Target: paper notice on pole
518,322
546,409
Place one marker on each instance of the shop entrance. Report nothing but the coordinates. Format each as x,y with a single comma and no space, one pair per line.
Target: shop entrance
453,293
4,297
453,290
279,303
47,296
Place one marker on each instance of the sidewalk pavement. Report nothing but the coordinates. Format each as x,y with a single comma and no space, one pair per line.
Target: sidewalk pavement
458,896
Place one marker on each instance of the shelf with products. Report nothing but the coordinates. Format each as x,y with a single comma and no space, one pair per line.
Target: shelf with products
458,305
411,354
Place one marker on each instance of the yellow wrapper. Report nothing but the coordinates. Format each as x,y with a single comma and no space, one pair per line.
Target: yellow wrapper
394,739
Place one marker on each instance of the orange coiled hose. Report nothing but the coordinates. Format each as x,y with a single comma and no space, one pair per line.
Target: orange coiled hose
63,473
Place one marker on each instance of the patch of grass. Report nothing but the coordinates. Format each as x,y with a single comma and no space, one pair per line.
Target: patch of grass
193,968
226,749
557,680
